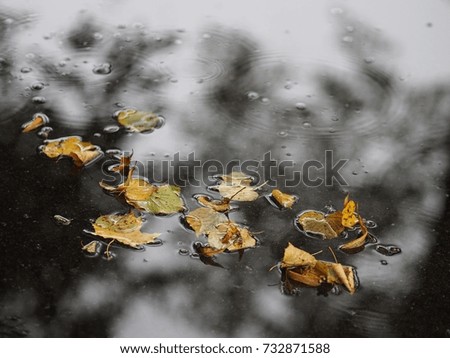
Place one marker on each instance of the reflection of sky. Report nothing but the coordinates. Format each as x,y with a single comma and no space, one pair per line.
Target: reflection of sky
304,49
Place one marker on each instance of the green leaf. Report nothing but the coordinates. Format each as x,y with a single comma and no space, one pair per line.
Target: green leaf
165,200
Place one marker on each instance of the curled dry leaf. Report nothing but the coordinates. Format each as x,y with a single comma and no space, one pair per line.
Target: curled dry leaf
283,200
125,229
38,120
91,248
138,121
81,152
156,199
221,206
303,268
359,241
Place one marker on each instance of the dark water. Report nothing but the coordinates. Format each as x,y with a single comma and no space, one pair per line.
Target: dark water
233,82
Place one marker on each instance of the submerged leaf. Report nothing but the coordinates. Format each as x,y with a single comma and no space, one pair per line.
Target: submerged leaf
81,152
125,229
138,121
282,199
38,120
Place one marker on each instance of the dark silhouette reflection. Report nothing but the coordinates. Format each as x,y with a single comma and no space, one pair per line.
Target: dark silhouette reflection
396,140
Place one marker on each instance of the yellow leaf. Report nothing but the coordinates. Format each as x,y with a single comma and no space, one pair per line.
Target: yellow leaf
91,248
282,199
294,257
217,205
237,192
335,222
125,229
349,218
138,121
38,120
236,178
82,153
204,220
315,222
359,241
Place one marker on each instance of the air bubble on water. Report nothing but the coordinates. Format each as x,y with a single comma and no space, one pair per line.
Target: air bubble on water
282,134
37,86
370,224
300,106
178,42
103,69
384,262
288,154
283,147
26,69
114,152
332,130
251,95
39,100
44,132
306,125
111,129
119,104
288,86
354,172
265,100
388,250
369,59
183,252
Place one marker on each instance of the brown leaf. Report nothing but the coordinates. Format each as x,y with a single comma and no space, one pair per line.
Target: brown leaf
217,205
237,192
39,119
91,248
282,199
125,229
294,257
335,222
359,241
205,220
236,178
315,222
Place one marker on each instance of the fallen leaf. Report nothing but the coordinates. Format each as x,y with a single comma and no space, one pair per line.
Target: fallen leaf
359,241
38,120
125,229
138,121
282,199
221,206
124,164
156,199
335,221
237,192
349,218
315,222
294,257
236,178
91,248
204,220
82,153
302,267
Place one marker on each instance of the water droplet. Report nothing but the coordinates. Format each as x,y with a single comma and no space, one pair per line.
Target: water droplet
98,36
37,86
335,119
429,24
201,80
39,100
332,130
183,252
26,69
388,250
178,42
114,152
383,262
8,21
288,86
103,69
370,224
44,132
369,59
354,172
97,135
173,80
288,154
300,106
111,129
283,147
282,134
251,95
62,63
306,125
265,100
120,105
